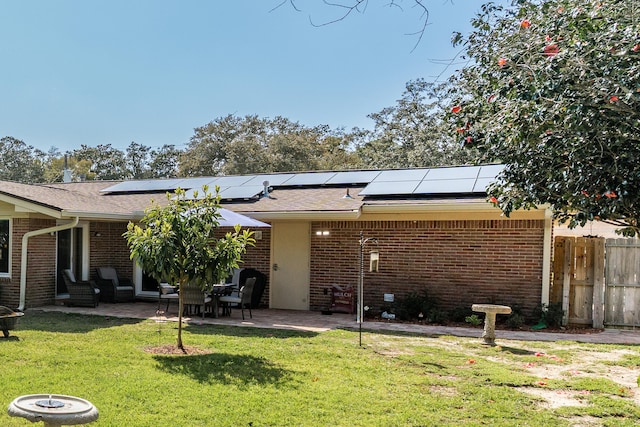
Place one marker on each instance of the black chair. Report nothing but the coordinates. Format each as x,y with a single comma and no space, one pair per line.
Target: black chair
243,299
114,288
81,293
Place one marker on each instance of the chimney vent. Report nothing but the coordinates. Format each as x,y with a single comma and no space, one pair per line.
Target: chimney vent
265,191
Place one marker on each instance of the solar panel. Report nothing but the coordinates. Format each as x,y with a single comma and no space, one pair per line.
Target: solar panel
440,186
389,188
460,172
241,192
354,177
312,178
401,175
273,179
197,183
490,171
482,184
143,185
227,181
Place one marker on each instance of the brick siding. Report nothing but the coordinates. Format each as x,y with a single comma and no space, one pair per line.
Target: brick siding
459,263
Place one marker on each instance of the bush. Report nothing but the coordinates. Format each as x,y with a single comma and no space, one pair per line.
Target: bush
516,319
473,320
460,313
414,303
550,314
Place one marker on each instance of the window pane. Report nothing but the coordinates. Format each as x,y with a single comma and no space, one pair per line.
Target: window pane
4,246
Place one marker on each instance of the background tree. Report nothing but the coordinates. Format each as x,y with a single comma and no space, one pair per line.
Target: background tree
553,92
21,162
239,145
137,161
414,132
107,162
164,161
178,243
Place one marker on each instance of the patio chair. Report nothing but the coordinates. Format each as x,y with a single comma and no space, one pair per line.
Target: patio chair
244,298
114,288
168,292
194,298
81,293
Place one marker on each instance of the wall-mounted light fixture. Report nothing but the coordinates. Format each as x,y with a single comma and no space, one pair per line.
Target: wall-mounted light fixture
322,233
374,258
97,234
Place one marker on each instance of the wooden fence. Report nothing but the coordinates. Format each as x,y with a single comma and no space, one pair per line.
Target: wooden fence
597,281
622,292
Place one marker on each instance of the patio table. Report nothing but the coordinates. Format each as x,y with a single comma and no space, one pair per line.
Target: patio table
217,291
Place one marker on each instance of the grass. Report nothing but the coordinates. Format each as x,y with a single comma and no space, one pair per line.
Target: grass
259,377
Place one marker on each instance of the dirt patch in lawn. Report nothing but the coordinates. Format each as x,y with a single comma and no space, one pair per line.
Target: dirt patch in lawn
174,350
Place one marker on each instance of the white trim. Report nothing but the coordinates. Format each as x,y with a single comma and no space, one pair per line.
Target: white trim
547,247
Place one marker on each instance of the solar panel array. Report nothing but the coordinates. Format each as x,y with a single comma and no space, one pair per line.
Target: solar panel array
436,181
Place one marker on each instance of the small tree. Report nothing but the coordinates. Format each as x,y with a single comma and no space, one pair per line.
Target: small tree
178,243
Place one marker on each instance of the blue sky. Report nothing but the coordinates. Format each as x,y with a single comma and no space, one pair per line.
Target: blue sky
114,71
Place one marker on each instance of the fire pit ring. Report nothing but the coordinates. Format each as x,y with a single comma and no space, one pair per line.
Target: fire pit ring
53,409
8,319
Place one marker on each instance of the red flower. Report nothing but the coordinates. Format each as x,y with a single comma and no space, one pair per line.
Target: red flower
461,130
525,23
613,98
551,50
471,361
610,195
547,38
468,140
502,62
493,200
456,109
584,193
636,48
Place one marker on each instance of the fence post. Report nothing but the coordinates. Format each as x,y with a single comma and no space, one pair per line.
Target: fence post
566,279
598,283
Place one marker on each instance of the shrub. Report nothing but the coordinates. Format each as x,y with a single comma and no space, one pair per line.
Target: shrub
414,303
550,314
460,313
473,320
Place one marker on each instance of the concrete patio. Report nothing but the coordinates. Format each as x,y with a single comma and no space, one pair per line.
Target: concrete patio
316,322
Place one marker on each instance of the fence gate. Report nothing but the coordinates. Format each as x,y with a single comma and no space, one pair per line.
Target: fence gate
622,283
578,264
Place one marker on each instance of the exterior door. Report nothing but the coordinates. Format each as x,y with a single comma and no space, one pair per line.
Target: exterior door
290,256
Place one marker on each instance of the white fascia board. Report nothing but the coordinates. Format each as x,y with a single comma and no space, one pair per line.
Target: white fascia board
304,215
28,207
99,215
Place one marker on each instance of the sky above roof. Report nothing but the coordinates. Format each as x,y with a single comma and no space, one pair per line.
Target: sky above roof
115,71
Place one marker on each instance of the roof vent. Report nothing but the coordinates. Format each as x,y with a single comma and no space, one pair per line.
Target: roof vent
347,196
265,191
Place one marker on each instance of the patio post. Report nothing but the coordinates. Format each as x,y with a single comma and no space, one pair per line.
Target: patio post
360,305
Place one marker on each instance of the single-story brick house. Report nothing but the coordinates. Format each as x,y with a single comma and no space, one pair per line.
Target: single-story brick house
434,227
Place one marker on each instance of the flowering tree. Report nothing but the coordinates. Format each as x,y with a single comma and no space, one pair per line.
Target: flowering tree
553,92
177,242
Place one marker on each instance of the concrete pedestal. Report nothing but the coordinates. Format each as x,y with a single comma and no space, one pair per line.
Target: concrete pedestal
490,311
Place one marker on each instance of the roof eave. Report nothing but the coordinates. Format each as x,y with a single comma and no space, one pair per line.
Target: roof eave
304,215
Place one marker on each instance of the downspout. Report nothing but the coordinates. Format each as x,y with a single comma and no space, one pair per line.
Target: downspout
546,256
23,258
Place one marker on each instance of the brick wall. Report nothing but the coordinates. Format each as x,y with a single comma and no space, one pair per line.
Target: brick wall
109,249
458,262
41,265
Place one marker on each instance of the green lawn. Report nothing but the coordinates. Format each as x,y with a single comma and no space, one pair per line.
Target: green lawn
259,377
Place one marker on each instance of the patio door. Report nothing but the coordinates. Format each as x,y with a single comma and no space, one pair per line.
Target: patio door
72,253
290,260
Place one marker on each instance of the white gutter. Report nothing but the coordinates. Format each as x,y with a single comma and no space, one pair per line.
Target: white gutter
23,259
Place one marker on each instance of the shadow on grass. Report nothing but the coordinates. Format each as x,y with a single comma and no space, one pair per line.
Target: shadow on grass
225,369
243,331
69,322
517,351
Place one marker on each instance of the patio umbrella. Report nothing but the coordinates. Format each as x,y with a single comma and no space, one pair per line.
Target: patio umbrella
230,219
